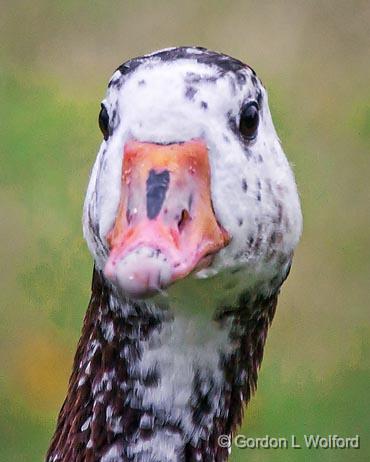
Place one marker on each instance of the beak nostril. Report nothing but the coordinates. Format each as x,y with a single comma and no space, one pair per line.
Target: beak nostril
128,216
184,219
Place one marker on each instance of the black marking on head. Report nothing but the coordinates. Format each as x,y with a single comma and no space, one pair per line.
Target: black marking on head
287,224
258,242
204,105
130,66
94,227
259,187
269,187
115,120
190,92
114,114
260,158
141,82
240,78
192,77
279,212
222,62
259,99
244,185
231,119
115,83
240,221
226,138
276,237
254,80
209,79
156,188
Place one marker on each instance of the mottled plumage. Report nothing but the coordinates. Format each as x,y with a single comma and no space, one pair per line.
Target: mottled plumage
159,377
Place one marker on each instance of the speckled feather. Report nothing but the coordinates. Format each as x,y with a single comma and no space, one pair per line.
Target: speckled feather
104,416
152,381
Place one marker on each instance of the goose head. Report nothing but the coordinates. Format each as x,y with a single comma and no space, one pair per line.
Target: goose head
191,180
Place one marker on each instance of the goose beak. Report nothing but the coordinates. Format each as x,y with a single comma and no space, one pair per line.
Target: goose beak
165,227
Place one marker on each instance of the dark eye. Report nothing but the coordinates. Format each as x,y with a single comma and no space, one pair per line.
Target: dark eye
249,119
104,122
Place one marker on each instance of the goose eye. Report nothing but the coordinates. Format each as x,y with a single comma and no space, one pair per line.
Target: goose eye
104,122
249,119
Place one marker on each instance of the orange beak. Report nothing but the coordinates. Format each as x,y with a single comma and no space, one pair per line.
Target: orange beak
165,227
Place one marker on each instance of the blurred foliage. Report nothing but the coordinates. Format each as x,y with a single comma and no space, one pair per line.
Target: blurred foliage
314,59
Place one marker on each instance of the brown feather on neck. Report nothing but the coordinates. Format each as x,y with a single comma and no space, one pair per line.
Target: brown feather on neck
102,381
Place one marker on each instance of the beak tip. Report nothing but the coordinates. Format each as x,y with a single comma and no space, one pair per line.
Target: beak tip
139,274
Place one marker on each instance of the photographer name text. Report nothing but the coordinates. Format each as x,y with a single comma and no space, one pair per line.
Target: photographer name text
291,442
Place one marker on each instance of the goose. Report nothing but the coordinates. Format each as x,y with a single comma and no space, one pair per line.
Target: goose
191,215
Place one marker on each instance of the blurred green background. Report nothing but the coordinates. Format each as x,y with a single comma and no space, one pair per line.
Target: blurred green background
314,59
